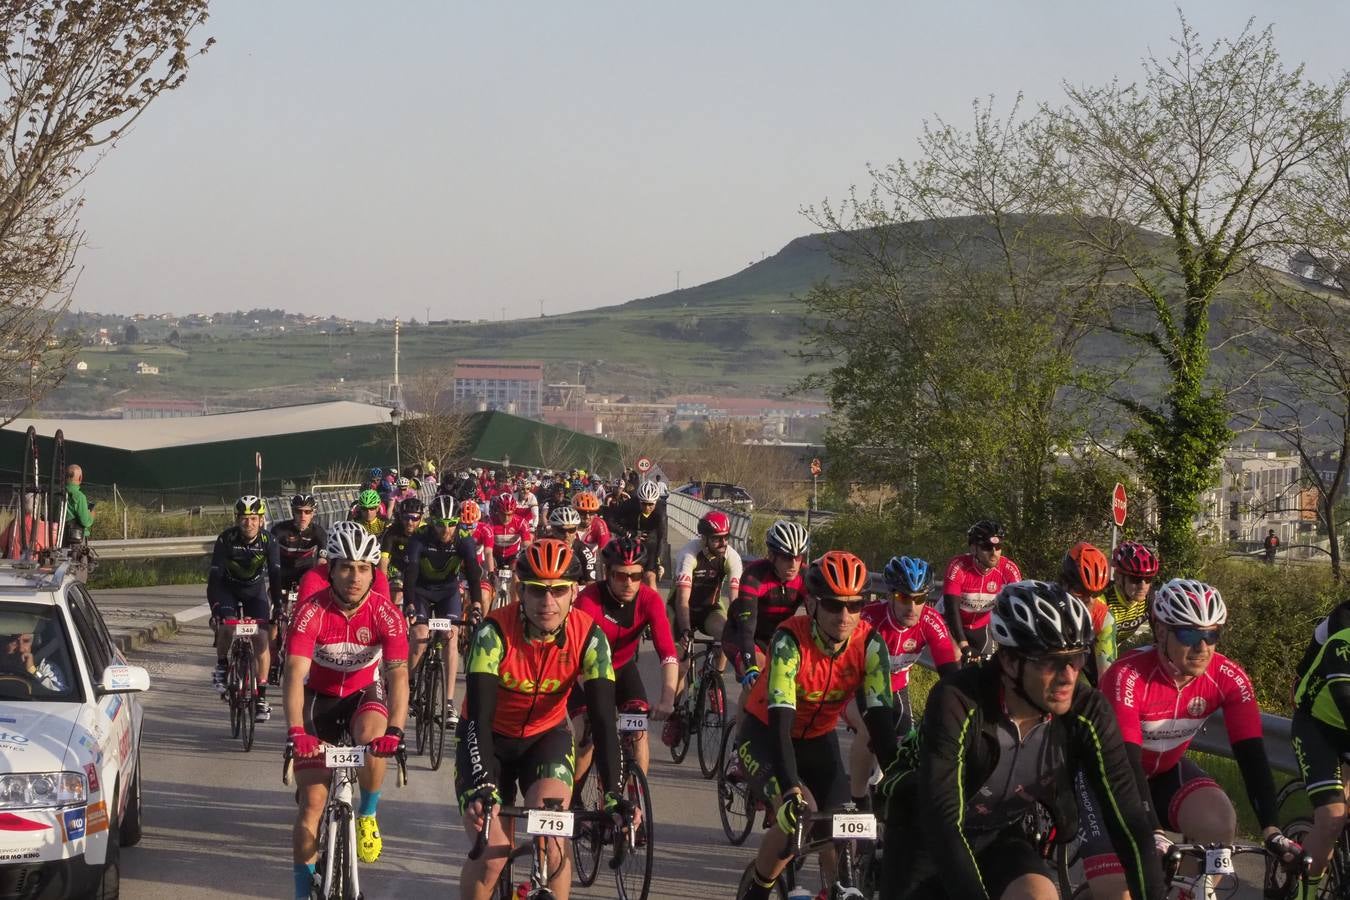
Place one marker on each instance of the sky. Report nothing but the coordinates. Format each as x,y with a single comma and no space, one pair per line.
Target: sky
478,159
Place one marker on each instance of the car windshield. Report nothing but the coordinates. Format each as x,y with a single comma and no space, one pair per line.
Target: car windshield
35,658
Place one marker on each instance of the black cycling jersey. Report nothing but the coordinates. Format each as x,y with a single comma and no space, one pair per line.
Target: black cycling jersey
949,806
432,563
626,517
761,605
299,549
395,543
236,561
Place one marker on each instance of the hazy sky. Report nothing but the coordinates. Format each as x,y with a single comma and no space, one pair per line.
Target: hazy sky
374,159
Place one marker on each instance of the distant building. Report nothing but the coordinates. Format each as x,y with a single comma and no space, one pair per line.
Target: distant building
513,386
1259,490
145,368
162,409
82,366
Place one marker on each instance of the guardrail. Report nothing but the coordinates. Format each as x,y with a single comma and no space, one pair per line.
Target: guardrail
153,548
683,513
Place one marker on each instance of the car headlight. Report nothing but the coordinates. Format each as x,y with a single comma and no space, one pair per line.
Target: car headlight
41,790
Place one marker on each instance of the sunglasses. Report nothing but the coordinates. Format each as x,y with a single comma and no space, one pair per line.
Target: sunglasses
625,576
783,556
916,599
1191,637
1139,579
1059,662
412,517
836,605
303,511
988,546
442,523
556,591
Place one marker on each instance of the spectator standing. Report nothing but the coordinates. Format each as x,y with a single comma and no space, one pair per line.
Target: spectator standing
1271,543
79,512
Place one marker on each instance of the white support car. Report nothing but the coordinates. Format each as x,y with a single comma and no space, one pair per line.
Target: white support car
70,729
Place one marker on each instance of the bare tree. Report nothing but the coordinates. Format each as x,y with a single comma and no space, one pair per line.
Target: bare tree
436,428
78,74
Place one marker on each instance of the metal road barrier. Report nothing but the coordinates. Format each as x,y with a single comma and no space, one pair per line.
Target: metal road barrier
683,513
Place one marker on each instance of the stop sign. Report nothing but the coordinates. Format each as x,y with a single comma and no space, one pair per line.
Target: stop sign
1118,505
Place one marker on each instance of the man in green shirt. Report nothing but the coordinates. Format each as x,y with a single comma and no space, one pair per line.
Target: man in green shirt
79,517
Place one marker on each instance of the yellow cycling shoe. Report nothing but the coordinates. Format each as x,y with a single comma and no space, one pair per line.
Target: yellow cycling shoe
368,841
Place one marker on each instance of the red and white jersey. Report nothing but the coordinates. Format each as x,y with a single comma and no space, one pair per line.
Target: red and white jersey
482,536
1162,718
906,644
315,582
346,650
973,589
596,534
508,539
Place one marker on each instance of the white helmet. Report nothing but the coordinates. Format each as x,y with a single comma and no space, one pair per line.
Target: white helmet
648,492
1187,603
564,517
787,538
350,540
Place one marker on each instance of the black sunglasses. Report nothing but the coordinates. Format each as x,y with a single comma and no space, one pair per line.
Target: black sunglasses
835,605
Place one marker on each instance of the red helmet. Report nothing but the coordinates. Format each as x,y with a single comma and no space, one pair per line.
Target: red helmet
715,524
1133,558
505,505
624,550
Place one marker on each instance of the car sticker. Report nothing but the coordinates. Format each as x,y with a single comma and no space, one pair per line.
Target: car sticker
91,775
11,822
97,820
74,822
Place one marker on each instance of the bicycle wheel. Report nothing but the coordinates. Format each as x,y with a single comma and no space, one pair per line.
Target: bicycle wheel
435,712
712,721
340,889
681,747
735,805
588,842
634,877
417,708
248,698
232,696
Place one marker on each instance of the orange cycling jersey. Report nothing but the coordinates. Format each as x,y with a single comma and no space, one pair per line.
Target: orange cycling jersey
534,677
804,677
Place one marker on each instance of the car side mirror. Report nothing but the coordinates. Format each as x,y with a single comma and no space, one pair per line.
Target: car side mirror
120,679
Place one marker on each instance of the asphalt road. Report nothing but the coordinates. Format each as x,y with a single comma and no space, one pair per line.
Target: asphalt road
218,820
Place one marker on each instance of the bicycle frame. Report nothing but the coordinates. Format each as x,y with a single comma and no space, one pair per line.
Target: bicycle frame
1217,863
539,871
798,847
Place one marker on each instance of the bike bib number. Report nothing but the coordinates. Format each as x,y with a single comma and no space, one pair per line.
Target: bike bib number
344,757
1219,861
632,722
439,624
246,630
549,822
853,825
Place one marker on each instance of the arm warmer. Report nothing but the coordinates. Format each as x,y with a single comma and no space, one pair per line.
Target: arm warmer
1255,768
600,709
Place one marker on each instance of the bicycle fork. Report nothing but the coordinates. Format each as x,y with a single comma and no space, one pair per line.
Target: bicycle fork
341,819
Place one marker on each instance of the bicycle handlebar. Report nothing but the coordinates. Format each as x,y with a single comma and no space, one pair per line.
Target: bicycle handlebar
493,810
1172,862
288,762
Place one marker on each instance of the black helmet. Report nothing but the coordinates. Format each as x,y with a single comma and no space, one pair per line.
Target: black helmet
411,506
302,501
1038,617
443,507
985,531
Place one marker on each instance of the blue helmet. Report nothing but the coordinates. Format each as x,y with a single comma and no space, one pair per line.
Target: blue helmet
375,472
908,575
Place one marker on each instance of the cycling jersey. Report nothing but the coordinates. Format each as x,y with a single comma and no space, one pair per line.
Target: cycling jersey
763,603
237,561
1336,620
968,592
299,549
627,517
433,565
624,623
1318,730
1104,644
1162,718
315,582
596,533
394,548
905,645
346,648
1326,685
375,526
590,566
507,540
704,574
1129,615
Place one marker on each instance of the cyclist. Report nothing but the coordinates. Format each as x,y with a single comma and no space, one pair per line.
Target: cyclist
1162,695
907,624
367,511
1321,741
1135,567
528,503
333,686
316,580
1083,573
787,741
702,568
593,529
997,740
523,662
771,591
438,556
300,540
471,522
643,517
244,566
972,582
394,546
563,523
509,531
624,608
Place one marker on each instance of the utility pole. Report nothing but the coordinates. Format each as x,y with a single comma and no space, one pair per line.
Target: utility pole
398,390
541,309
677,279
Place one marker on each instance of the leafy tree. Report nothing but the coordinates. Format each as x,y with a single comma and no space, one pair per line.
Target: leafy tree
131,334
76,75
1199,154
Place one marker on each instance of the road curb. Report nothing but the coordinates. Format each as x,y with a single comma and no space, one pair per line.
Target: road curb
136,635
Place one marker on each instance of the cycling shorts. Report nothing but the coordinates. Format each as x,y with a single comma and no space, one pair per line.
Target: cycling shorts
698,620
651,561
1002,857
440,601
239,601
1319,748
731,647
521,761
980,640
627,686
901,707
1168,790
819,765
330,718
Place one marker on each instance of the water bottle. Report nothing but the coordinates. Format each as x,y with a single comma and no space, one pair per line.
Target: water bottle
522,890
801,893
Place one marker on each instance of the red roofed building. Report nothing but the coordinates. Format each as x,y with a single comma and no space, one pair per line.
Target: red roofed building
513,386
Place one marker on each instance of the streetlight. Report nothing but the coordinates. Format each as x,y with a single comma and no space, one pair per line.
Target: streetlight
396,419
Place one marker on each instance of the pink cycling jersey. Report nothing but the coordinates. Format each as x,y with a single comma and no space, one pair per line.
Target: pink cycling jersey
1162,718
906,644
624,634
346,650
973,589
315,582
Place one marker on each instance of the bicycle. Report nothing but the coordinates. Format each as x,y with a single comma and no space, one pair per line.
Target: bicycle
336,876
241,679
1218,865
848,830
501,592
283,623
430,706
636,871
541,823
736,803
1336,878
703,704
